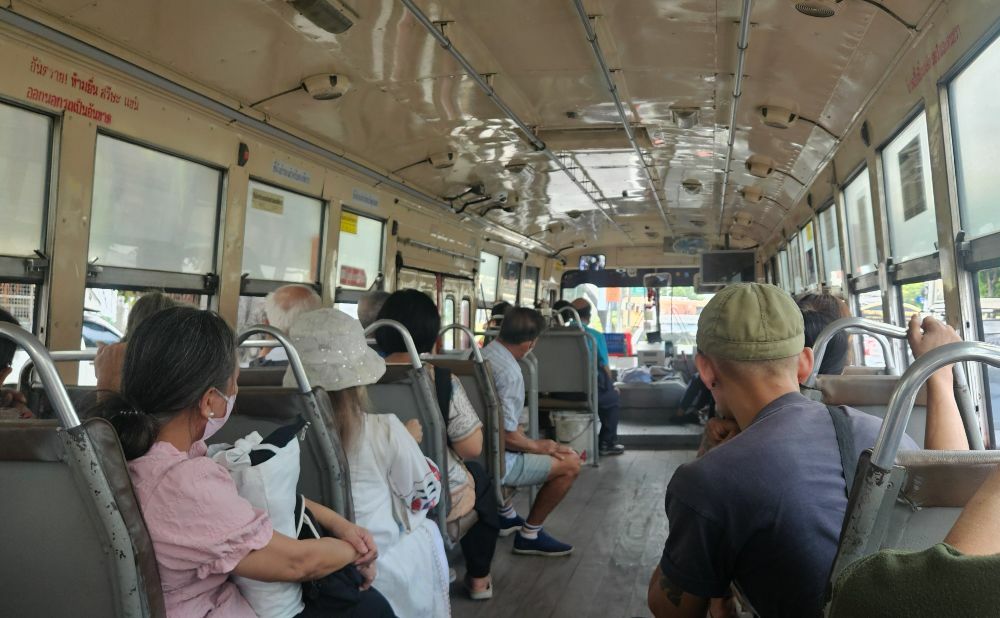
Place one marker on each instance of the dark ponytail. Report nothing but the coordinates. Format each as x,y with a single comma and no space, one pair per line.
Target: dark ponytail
172,359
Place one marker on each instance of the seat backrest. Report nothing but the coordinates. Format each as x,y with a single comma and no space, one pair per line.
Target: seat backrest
324,476
564,362
84,398
73,538
262,376
870,394
861,370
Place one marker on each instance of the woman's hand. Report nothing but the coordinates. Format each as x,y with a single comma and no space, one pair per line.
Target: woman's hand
362,542
108,365
369,571
416,430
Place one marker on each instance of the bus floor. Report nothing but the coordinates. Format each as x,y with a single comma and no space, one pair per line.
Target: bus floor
614,517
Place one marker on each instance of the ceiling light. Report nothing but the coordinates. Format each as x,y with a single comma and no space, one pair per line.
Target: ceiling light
323,15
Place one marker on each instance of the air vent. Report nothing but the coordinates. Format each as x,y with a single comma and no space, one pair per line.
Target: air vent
685,117
752,194
760,166
777,117
817,8
691,185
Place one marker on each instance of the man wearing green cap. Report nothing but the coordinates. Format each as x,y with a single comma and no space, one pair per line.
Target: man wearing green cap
764,509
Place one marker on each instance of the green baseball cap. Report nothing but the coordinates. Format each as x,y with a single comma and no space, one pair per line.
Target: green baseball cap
751,321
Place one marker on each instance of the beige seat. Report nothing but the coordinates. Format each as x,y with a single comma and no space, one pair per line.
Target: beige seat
870,394
261,376
73,538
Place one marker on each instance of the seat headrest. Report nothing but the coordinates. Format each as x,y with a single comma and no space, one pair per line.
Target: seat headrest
861,390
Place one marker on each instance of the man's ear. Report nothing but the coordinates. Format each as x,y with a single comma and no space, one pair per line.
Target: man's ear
706,370
806,362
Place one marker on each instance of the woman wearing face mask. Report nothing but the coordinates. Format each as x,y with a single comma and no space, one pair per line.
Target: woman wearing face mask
178,388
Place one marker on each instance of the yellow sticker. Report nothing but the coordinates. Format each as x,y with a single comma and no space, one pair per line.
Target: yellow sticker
271,202
809,232
349,223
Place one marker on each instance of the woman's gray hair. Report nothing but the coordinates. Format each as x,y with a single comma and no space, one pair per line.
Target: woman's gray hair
146,306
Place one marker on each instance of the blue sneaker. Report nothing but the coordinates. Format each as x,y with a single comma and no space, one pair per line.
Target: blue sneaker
510,525
544,545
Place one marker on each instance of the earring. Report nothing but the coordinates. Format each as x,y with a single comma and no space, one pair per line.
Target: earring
211,414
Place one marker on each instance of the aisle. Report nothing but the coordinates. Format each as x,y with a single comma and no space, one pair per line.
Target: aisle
614,516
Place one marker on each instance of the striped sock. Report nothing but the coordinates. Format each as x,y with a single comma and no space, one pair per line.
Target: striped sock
508,511
530,532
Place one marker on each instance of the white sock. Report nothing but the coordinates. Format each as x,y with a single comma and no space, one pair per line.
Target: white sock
508,511
530,532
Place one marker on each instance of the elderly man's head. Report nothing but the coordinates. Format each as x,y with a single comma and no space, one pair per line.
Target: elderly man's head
751,334
288,302
520,328
583,308
370,305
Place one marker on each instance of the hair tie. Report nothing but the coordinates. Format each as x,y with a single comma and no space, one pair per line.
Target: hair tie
129,412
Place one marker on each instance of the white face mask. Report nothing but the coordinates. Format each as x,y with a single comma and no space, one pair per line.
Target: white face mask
215,424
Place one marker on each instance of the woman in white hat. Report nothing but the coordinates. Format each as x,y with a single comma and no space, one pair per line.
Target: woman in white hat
392,483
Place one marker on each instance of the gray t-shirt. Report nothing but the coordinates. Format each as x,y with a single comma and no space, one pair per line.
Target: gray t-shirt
765,509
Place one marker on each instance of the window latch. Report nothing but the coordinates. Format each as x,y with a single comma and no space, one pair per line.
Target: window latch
36,265
211,283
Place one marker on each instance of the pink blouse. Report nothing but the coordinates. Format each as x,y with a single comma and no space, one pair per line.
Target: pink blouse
200,527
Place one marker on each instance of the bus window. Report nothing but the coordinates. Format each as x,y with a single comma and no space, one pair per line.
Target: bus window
359,251
906,162
921,297
282,237
152,210
974,110
529,286
860,224
808,244
988,305
795,261
830,241
25,139
466,320
447,319
511,281
870,308
489,276
784,277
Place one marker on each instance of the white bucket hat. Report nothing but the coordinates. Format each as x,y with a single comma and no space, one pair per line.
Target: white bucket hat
334,351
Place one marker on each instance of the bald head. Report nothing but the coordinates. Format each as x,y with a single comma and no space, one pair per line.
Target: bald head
582,306
288,302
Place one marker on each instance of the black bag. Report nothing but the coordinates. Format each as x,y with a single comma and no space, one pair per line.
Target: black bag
337,591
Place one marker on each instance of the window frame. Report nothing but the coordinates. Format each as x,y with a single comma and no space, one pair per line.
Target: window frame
262,287
138,279
482,290
524,277
842,191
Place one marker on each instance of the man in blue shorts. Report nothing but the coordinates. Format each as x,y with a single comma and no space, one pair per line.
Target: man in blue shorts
528,462
764,509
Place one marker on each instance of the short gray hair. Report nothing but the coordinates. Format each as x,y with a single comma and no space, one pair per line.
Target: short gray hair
369,306
284,305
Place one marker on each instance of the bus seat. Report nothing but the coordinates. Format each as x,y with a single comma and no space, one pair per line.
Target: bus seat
261,376
62,533
409,393
870,394
477,380
324,476
84,399
861,370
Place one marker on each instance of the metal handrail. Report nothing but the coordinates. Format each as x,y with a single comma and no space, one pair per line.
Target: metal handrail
54,388
855,324
411,347
294,361
905,394
576,315
477,354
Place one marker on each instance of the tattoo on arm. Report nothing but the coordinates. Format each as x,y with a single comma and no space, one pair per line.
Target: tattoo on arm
672,590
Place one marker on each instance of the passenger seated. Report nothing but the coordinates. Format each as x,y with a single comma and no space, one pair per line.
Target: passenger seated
528,462
148,304
764,510
957,577
393,485
109,358
178,389
369,306
13,404
281,308
469,484
497,314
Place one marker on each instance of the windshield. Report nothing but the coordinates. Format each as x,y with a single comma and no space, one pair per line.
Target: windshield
630,310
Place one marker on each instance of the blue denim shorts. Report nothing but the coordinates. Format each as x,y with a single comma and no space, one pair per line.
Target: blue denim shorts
528,469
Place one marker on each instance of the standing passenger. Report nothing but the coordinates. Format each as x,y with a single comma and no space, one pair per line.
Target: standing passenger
528,462
607,396
393,485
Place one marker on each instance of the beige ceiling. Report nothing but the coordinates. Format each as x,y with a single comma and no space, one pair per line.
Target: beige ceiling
411,99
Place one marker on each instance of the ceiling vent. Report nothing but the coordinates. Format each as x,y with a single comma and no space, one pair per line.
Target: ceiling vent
760,166
817,8
326,86
691,185
752,194
685,117
777,117
516,167
323,14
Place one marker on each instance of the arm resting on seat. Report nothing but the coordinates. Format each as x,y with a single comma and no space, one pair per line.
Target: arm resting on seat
285,559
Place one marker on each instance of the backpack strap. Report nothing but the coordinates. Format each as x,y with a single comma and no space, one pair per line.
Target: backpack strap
442,386
845,442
